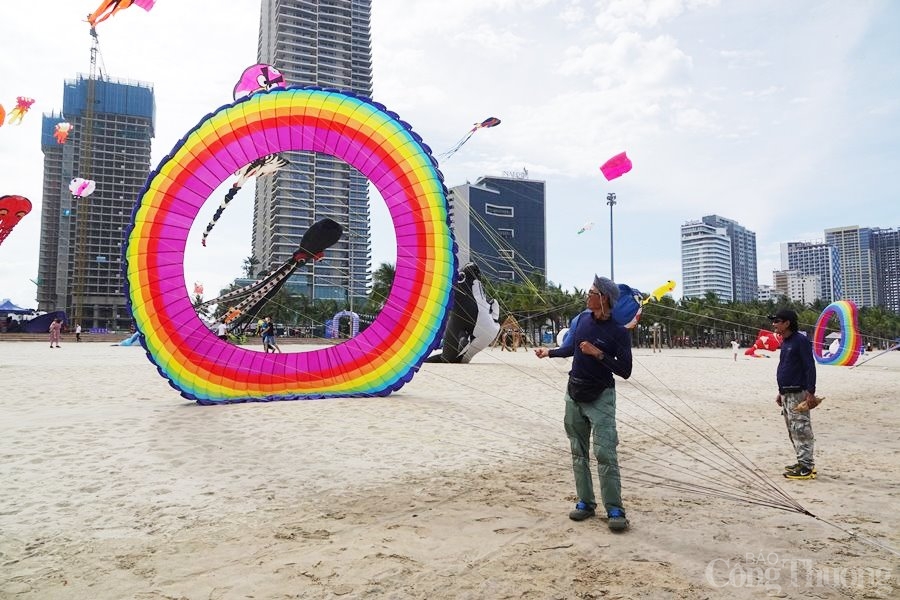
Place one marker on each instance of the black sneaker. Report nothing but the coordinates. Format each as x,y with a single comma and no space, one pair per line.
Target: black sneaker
793,469
582,511
617,520
801,473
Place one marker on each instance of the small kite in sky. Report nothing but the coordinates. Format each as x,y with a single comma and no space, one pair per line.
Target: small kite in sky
22,106
586,227
109,8
61,132
12,209
2,115
81,188
258,78
617,166
659,292
489,122
261,166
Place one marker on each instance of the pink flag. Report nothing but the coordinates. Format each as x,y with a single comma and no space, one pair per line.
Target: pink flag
617,166
145,4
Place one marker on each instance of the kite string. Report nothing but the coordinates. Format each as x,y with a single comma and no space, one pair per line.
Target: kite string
778,499
856,535
669,482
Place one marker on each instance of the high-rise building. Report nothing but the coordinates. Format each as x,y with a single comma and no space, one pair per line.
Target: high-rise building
796,286
499,224
79,264
706,263
887,267
766,293
815,258
856,250
743,257
324,43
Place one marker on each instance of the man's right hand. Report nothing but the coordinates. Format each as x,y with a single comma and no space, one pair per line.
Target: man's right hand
778,399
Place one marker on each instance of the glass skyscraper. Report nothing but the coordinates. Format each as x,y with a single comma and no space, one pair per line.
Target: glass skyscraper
499,224
79,265
324,43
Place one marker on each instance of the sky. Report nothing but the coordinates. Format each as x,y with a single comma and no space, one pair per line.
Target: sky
783,116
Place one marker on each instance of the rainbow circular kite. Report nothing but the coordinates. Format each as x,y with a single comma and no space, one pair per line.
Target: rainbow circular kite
850,341
358,131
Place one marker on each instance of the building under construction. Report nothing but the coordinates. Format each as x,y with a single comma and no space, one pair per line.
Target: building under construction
80,263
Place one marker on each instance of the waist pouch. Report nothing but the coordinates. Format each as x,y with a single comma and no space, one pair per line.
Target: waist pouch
584,390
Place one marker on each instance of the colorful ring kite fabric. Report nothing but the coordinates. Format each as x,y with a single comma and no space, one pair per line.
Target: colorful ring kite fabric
850,342
368,137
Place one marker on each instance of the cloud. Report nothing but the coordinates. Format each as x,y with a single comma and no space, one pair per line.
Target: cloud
722,109
744,59
621,16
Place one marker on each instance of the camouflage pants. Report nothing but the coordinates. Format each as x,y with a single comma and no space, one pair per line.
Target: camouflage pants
799,426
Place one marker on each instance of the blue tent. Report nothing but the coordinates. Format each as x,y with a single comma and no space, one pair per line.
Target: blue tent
8,308
41,324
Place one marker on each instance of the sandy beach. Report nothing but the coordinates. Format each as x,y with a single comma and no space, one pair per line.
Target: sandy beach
456,486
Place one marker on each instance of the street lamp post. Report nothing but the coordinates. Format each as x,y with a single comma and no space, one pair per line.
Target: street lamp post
611,200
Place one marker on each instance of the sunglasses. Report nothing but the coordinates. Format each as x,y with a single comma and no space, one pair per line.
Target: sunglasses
777,320
594,293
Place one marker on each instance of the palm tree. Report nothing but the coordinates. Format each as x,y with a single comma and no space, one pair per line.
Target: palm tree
250,264
203,311
382,280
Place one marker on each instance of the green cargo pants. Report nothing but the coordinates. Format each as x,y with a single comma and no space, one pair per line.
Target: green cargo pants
598,418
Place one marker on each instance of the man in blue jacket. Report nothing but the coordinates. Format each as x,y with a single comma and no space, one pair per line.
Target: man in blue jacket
600,348
796,378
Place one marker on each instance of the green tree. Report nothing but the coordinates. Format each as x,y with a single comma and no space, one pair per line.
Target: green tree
249,267
382,280
203,311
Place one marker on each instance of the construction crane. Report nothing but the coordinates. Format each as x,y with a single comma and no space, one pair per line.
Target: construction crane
85,168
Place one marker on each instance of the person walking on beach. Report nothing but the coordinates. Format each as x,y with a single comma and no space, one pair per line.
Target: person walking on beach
600,348
268,336
734,348
77,332
55,328
796,377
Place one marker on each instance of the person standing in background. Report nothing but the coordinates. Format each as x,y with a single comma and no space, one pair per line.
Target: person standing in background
796,377
55,328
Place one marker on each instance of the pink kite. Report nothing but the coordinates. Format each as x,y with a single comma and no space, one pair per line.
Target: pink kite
617,166
22,106
108,8
258,78
82,187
